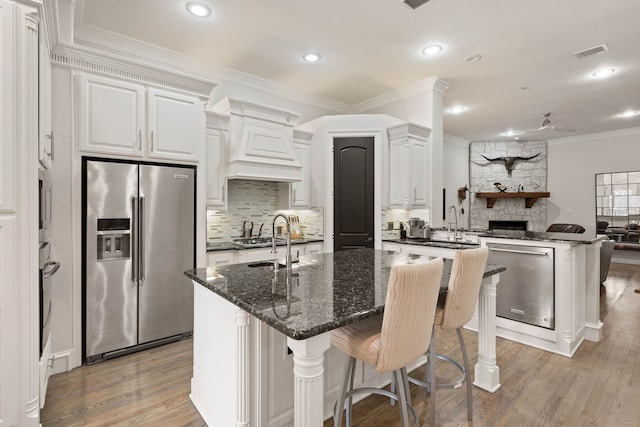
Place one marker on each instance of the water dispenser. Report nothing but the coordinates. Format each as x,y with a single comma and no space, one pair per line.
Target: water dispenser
114,238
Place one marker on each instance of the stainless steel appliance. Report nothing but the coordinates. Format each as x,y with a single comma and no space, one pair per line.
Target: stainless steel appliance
526,289
138,240
416,228
44,205
47,267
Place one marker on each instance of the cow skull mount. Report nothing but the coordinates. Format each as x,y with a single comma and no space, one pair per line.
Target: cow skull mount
510,162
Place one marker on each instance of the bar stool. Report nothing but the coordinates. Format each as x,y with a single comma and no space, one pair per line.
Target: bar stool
454,312
394,339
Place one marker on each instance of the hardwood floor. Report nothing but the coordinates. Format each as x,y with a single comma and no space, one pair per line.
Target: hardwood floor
599,386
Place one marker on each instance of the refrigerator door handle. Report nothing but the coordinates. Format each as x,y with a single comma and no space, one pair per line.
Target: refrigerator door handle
134,239
141,238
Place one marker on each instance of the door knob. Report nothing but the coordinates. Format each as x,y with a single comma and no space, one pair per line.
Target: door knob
368,240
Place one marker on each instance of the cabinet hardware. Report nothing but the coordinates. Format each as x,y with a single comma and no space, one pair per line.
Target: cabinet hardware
50,153
139,139
294,194
152,141
223,192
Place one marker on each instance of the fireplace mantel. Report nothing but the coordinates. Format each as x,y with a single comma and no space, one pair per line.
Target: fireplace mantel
529,198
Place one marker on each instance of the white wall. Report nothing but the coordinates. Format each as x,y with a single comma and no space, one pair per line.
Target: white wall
572,164
455,175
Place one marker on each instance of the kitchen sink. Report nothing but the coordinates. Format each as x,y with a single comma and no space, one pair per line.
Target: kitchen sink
257,242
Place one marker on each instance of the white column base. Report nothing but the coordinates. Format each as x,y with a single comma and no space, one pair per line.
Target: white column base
308,369
487,373
593,332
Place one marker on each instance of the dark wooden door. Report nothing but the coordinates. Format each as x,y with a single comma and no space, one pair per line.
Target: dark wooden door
353,193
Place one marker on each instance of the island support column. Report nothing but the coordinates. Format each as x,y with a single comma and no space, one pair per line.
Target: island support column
487,372
308,369
593,324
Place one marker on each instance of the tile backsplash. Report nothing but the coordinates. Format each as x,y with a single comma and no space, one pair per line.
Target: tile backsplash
400,215
257,202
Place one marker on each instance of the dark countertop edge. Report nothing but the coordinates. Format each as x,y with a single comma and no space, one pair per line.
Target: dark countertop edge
490,270
435,243
229,246
572,238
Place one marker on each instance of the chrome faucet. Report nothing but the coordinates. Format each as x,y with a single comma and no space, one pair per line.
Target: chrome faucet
274,251
456,235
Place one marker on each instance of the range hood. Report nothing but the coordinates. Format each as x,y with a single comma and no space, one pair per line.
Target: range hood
260,142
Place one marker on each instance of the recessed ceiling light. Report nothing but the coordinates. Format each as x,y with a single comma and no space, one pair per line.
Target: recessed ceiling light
457,109
508,133
473,58
311,57
629,113
198,9
604,72
432,49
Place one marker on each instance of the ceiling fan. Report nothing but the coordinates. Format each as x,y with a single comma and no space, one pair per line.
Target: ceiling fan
546,125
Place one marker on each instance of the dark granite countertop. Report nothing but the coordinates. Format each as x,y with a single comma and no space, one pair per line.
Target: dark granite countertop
228,245
575,238
320,293
435,243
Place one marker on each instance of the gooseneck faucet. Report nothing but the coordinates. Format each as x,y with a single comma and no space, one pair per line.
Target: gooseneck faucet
455,218
274,251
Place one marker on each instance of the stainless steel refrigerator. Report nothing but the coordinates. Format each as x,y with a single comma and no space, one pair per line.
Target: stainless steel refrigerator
138,240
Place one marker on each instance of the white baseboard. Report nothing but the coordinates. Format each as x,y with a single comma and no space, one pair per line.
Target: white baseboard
62,362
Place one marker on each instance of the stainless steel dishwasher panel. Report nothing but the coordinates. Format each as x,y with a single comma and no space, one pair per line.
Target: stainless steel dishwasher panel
526,291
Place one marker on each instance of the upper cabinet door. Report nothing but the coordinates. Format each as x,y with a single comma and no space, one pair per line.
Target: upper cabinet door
397,173
300,189
408,160
45,138
111,115
216,169
176,125
419,173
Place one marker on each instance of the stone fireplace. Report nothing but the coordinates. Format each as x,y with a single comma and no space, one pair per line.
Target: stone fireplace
526,175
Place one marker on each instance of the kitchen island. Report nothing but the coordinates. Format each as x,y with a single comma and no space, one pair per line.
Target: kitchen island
233,360
575,287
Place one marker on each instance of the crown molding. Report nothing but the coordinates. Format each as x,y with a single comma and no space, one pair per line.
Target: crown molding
117,44
429,84
88,59
455,140
595,136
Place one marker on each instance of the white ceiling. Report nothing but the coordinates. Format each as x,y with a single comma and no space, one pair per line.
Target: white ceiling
372,47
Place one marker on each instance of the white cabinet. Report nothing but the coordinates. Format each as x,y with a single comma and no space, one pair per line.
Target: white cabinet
217,134
175,125
233,256
313,248
295,195
45,137
408,153
258,254
219,258
430,251
111,115
124,118
20,372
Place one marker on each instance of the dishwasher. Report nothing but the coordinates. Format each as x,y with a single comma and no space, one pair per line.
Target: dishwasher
526,291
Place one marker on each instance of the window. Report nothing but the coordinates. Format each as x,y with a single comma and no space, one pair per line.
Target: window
618,198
